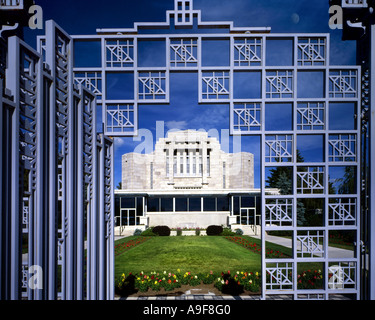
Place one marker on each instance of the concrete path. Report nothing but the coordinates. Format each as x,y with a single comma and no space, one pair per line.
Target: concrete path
333,252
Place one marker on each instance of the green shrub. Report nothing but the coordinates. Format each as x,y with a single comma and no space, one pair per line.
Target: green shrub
214,230
163,231
137,232
197,231
239,232
227,232
148,233
179,231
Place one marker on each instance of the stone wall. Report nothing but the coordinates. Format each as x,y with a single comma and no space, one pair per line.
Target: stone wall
189,219
226,171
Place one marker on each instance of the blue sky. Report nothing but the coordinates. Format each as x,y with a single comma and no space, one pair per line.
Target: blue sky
184,112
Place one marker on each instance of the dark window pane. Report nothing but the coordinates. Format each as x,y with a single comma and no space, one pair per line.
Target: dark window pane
132,220
181,204
247,202
166,204
127,203
117,207
222,204
153,205
236,206
139,206
209,204
195,204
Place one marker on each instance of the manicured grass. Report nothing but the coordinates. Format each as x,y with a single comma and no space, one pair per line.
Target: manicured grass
194,254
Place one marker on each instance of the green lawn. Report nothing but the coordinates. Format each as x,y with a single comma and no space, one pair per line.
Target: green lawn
194,254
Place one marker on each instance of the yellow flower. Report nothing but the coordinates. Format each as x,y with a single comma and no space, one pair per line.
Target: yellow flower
156,282
178,270
256,273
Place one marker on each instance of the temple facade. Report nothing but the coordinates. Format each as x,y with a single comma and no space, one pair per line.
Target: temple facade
187,182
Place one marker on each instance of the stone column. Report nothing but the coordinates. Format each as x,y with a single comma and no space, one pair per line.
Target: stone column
171,162
204,162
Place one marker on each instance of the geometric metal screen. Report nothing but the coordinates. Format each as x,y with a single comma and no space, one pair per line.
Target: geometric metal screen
56,190
303,84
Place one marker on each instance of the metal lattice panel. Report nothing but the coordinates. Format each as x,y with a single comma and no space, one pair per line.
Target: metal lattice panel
184,53
246,117
305,117
342,211
248,52
215,85
90,80
279,276
279,212
53,170
279,84
119,53
343,83
311,51
279,148
311,116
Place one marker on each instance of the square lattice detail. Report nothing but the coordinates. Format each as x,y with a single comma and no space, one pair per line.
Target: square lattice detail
342,275
215,85
312,51
279,212
152,86
120,118
183,53
247,52
279,148
90,80
342,147
310,180
246,117
310,244
343,83
279,276
279,84
119,53
311,116
342,212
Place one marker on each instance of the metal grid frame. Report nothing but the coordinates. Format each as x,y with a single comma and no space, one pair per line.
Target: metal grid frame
247,117
55,166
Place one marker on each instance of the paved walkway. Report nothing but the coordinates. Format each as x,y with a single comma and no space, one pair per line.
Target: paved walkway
212,297
191,297
333,252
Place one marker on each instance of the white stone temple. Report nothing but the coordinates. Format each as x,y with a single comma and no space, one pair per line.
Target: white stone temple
188,182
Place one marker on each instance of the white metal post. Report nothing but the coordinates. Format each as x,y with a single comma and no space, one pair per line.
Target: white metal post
371,129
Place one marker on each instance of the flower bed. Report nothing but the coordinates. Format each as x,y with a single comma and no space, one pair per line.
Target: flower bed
125,246
252,246
237,283
310,279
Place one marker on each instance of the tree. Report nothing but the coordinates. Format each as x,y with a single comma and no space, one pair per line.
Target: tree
282,178
348,181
